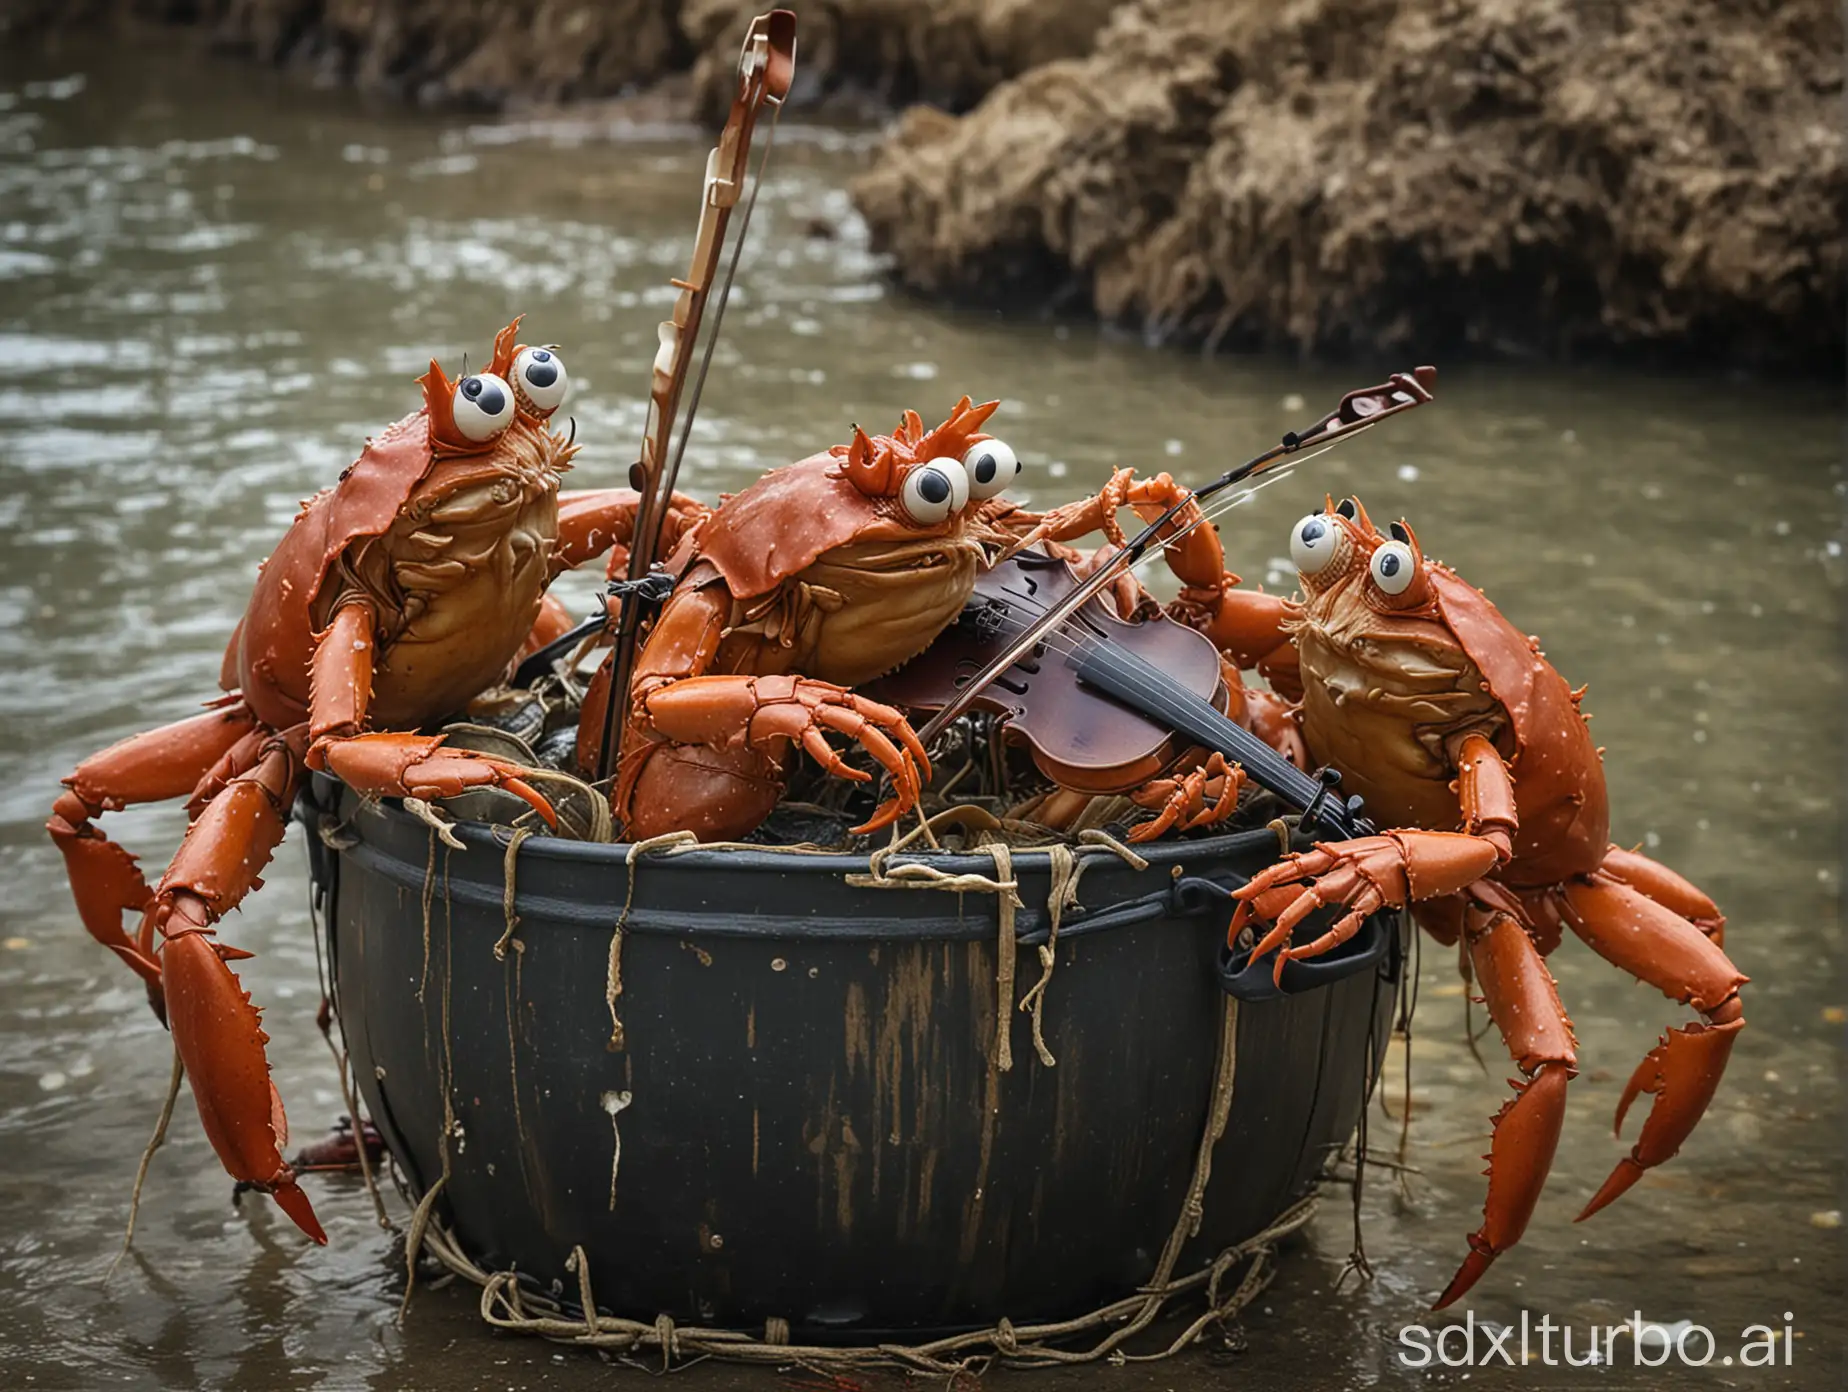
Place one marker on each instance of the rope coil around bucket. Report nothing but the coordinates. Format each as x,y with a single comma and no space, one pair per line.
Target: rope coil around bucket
507,1304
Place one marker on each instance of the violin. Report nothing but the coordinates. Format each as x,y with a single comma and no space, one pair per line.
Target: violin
1104,704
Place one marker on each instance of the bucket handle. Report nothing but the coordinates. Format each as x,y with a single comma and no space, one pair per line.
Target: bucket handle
1374,947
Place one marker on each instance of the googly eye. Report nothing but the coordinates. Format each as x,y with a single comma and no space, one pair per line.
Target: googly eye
483,406
991,466
1314,543
935,490
1394,567
540,376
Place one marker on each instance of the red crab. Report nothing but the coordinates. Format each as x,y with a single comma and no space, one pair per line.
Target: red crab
1463,738
397,595
826,574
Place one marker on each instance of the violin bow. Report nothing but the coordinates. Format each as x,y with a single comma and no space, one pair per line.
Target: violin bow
765,68
1358,411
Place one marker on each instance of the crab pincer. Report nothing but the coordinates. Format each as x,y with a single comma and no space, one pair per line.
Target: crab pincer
763,712
391,764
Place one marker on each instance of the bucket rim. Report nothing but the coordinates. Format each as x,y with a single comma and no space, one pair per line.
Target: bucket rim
326,793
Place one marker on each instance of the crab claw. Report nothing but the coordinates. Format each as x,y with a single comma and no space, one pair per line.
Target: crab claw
1361,875
1658,945
765,712
1201,797
389,764
1683,1071
219,1034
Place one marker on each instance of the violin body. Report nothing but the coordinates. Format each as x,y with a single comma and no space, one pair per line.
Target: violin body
1081,739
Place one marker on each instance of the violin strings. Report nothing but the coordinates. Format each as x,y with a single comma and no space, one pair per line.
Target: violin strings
1070,644
1085,642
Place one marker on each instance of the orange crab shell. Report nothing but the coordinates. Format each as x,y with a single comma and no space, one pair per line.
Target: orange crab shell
364,503
1563,815
1552,741
790,517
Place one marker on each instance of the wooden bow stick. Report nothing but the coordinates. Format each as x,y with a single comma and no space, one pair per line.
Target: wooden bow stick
764,71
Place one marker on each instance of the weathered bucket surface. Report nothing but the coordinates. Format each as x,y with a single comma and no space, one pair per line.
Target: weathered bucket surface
805,1119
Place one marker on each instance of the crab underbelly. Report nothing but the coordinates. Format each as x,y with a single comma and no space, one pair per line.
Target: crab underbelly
849,626
460,643
1381,757
850,648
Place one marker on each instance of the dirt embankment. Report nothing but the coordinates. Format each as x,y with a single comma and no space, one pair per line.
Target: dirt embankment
858,54
1549,177
1538,176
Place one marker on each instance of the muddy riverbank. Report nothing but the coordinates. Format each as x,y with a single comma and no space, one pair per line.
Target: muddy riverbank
1659,181
858,56
1524,177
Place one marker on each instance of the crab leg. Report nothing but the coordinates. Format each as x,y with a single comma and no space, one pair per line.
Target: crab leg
1205,795
216,1029
166,763
1272,721
387,763
592,521
1524,1004
1395,868
1657,945
765,713
392,764
1658,882
1248,626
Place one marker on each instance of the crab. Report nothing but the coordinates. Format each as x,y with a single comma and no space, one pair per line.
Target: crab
816,579
1465,741
396,596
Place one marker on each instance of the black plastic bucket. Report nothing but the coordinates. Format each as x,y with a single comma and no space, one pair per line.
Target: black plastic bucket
811,1124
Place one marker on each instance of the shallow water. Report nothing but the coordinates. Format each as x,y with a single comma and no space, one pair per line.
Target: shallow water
214,285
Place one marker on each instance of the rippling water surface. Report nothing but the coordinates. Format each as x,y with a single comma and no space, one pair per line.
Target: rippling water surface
213,286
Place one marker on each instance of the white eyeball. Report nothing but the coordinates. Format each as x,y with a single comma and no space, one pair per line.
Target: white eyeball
991,467
933,491
540,376
1314,543
483,406
1394,567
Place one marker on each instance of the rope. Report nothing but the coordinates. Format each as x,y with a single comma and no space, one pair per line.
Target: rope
327,1018
505,1302
507,1305
1005,950
1283,830
414,1236
429,894
147,1158
1097,837
508,861
428,815
668,843
1066,869
342,1067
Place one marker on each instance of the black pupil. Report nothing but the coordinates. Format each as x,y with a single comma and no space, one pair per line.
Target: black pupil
489,398
540,355
985,469
542,371
1389,565
1313,531
933,487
